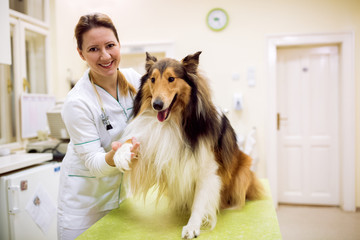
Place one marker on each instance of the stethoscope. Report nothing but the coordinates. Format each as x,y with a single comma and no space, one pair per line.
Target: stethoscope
104,117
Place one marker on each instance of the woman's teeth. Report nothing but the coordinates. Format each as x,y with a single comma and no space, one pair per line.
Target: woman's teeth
106,65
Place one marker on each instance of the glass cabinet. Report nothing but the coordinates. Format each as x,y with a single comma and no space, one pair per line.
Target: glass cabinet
30,62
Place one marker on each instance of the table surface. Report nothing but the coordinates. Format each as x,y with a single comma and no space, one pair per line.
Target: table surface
20,160
136,219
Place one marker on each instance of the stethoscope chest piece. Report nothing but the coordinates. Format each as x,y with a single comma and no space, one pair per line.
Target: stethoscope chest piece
105,120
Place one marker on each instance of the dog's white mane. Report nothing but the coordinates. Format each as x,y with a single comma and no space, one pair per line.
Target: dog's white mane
169,163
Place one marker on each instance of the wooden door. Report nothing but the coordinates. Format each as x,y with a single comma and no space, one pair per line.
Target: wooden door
307,100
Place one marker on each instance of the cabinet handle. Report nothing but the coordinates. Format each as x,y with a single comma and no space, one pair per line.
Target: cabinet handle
9,86
13,200
26,84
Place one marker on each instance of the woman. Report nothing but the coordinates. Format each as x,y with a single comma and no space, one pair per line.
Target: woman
95,113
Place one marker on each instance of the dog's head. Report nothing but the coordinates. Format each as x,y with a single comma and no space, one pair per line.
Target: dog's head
166,88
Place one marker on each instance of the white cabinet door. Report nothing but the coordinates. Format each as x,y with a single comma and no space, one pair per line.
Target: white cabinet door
23,187
308,125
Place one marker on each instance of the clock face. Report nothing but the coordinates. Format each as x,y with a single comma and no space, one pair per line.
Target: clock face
217,19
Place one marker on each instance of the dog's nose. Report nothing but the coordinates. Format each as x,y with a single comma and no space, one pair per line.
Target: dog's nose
158,104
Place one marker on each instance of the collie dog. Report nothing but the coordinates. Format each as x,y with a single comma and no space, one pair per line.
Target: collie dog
188,148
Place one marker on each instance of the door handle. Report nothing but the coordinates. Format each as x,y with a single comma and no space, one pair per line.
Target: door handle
279,118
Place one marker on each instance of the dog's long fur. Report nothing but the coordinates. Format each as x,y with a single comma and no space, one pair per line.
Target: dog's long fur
189,152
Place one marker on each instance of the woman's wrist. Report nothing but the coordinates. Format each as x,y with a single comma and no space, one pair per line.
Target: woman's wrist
109,158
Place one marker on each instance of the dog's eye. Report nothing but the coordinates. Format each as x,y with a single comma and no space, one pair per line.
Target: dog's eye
152,80
171,79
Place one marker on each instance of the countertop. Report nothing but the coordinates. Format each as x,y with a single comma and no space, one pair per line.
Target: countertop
136,219
20,160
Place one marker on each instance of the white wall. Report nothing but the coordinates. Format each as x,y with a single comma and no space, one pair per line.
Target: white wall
240,46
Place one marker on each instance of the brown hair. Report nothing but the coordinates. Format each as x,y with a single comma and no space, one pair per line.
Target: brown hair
93,20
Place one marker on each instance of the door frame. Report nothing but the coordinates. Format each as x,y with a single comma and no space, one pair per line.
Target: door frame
347,138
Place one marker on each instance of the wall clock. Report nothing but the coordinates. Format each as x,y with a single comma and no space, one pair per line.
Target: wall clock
217,19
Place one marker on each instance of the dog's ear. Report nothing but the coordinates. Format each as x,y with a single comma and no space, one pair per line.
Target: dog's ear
191,62
150,60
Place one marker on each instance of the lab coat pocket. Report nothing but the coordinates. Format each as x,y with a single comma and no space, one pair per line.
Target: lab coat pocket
80,173
87,194
80,186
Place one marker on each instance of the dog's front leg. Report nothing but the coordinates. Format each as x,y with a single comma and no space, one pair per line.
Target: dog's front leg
205,204
122,157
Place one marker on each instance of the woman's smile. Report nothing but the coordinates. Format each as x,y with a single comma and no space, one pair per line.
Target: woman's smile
106,65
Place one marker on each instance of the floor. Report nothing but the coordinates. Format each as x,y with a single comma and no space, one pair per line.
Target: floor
318,223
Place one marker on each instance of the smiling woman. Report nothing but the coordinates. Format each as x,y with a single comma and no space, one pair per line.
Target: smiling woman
101,51
95,113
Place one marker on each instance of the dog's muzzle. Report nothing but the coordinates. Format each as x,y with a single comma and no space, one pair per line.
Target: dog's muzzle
158,104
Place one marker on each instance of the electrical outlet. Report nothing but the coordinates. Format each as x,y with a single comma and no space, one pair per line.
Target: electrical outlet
238,101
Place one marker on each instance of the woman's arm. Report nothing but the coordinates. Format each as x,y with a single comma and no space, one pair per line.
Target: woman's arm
84,135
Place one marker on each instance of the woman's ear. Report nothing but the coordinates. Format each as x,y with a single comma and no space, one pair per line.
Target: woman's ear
80,53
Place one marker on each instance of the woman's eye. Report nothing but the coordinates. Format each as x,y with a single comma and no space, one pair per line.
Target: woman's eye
110,45
152,80
92,49
171,79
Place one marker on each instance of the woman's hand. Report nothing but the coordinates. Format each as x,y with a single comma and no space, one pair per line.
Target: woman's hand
109,157
135,149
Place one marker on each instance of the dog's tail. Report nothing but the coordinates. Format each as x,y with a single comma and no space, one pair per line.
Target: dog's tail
256,189
243,185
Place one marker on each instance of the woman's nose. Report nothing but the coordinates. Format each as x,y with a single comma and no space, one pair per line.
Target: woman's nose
105,55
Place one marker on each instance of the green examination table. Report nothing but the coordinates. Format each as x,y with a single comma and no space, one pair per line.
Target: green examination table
135,219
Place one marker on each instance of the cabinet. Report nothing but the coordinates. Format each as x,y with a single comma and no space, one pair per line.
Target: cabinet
28,197
28,61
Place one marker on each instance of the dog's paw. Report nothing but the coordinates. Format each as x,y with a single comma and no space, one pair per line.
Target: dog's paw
190,232
122,157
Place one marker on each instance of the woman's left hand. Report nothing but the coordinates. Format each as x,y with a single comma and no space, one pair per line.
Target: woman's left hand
135,148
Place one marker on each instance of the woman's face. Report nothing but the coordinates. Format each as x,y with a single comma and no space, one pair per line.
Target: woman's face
101,50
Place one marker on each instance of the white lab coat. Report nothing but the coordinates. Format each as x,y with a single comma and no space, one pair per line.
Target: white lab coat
88,185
